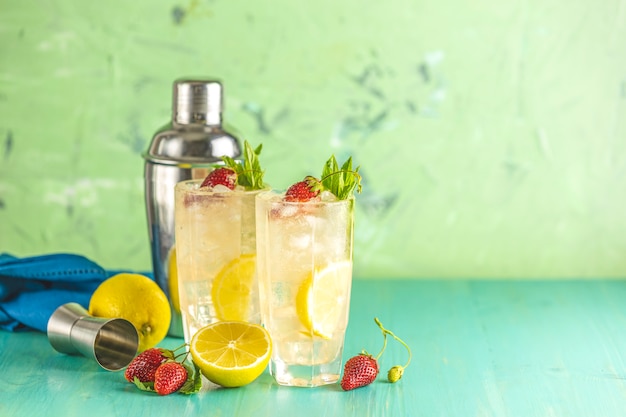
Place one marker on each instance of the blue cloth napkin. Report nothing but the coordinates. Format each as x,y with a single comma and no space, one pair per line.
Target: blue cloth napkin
32,288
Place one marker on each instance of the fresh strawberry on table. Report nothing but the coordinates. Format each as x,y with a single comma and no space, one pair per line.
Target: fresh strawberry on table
163,371
144,366
359,371
169,378
362,369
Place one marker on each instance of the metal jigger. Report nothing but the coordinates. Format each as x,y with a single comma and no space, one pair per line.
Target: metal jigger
112,342
184,149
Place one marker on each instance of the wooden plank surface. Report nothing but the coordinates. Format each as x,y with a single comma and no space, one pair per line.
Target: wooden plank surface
480,348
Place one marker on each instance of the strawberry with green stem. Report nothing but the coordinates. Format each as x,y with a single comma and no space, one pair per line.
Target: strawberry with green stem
247,174
362,369
306,190
169,378
223,176
144,366
162,371
340,181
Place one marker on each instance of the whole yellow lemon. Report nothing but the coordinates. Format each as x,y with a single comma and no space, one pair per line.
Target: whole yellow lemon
138,299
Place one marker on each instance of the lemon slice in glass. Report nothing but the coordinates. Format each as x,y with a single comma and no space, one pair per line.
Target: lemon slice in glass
323,298
231,353
232,288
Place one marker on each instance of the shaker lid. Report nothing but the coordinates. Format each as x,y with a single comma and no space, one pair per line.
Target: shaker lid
197,101
195,136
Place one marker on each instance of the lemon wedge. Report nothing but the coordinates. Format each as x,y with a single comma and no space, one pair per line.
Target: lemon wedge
231,353
232,288
323,297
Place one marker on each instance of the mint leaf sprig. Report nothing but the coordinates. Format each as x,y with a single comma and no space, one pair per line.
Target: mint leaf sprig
249,172
342,182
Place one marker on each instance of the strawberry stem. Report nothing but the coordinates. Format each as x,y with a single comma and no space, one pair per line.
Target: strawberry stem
179,347
390,333
343,171
340,181
384,346
348,187
185,353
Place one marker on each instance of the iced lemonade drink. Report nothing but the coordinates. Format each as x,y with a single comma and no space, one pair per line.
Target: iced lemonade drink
304,264
216,246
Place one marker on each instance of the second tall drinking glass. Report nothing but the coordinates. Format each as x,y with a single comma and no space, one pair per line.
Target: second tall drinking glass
305,274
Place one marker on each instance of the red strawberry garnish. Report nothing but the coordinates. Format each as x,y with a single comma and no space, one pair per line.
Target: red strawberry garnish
169,378
306,190
360,370
145,365
221,176
340,182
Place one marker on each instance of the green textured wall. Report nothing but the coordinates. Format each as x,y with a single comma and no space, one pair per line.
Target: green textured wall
491,134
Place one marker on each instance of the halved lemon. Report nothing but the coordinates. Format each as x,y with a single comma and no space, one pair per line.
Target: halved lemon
231,353
323,298
232,288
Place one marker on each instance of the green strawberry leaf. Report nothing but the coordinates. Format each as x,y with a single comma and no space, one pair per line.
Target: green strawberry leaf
166,353
144,386
249,173
342,182
194,380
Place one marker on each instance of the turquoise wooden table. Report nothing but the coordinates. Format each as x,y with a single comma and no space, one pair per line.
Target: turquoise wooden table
480,348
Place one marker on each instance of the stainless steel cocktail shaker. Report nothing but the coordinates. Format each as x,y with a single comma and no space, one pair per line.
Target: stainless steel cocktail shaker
184,149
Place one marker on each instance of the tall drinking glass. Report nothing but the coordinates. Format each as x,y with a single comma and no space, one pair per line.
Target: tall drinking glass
215,255
304,268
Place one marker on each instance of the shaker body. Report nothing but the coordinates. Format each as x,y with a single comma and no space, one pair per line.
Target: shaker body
159,187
